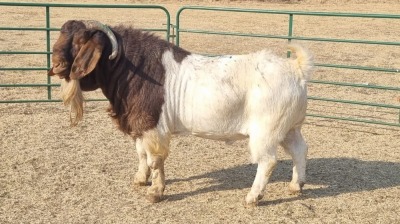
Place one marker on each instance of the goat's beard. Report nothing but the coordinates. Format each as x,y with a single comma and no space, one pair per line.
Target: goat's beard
71,94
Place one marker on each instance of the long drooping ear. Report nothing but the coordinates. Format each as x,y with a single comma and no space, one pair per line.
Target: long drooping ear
87,58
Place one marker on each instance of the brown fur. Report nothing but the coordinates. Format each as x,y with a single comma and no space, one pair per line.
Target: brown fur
132,82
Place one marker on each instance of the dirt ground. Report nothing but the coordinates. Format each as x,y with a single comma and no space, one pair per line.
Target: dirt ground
52,173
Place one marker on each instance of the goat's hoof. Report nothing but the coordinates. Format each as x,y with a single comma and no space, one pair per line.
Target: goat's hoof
154,198
295,188
140,183
140,180
251,203
154,194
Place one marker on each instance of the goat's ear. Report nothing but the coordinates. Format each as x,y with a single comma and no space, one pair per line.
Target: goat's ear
87,59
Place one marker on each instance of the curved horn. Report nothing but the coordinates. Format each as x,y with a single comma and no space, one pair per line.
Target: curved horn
92,24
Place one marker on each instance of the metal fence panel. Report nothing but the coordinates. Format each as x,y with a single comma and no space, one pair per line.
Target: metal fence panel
291,16
48,29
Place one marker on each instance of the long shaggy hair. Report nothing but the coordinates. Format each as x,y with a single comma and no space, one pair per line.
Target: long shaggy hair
71,94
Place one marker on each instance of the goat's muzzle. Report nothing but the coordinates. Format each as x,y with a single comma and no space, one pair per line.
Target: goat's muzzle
50,72
59,69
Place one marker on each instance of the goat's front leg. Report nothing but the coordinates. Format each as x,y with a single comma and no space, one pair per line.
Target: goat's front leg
156,190
157,147
143,173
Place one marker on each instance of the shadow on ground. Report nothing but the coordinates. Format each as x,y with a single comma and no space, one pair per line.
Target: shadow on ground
337,175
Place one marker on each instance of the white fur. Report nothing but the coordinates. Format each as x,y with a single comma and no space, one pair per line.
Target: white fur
258,96
231,97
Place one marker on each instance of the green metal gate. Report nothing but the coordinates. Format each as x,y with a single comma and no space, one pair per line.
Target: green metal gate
291,16
395,121
47,29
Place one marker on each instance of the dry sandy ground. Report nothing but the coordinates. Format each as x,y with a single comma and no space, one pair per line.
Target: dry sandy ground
51,173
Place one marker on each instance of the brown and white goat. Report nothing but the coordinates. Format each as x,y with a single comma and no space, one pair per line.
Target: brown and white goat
156,90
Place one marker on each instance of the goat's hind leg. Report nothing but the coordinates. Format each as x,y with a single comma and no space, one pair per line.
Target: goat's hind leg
295,145
143,173
263,151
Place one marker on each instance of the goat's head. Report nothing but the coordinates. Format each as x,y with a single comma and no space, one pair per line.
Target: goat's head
75,55
79,48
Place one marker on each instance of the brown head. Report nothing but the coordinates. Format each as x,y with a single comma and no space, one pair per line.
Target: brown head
75,55
79,48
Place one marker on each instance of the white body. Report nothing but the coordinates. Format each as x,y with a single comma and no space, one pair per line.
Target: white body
232,97
257,96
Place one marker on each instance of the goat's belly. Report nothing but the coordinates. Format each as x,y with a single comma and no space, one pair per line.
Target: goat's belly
216,126
220,136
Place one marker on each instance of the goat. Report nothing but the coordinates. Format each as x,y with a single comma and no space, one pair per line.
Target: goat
157,90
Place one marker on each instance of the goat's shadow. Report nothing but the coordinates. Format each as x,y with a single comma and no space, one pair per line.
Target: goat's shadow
337,175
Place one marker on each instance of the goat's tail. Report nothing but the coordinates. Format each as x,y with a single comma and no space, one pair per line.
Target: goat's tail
304,60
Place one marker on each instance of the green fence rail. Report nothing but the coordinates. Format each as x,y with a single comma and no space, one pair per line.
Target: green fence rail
291,36
48,29
178,29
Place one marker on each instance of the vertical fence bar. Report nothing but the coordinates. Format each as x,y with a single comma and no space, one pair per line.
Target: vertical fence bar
177,26
48,50
168,27
290,31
